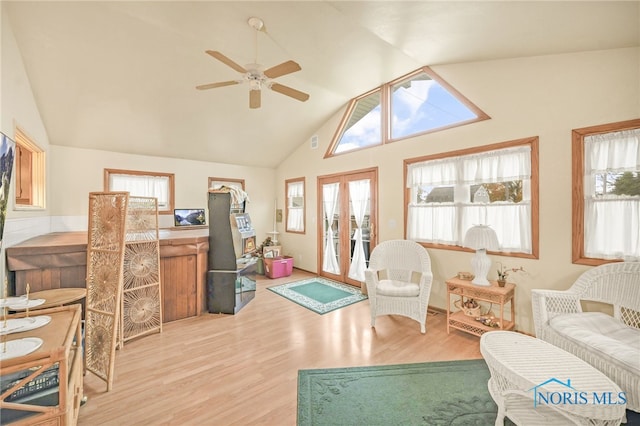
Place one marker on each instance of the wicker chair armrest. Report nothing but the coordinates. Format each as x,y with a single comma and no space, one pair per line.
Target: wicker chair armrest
547,304
371,281
426,281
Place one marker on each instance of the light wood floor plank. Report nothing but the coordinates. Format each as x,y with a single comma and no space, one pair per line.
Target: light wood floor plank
242,369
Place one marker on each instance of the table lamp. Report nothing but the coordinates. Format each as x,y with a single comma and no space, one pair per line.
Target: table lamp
481,238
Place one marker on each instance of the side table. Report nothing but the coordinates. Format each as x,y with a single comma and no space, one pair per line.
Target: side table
58,296
494,294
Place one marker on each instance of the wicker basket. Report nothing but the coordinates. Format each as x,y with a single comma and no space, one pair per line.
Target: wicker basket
470,312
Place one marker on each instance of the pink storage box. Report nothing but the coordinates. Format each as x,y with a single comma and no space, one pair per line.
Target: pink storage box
277,267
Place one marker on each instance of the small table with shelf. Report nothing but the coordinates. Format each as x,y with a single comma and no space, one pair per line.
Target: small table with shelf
46,385
494,294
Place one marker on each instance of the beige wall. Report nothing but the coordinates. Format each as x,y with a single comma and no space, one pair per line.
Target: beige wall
17,103
76,172
17,108
540,96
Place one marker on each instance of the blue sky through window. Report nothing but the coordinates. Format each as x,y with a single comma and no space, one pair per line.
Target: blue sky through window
423,106
419,103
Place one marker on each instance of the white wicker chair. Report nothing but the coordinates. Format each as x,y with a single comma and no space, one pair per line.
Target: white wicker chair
399,281
616,284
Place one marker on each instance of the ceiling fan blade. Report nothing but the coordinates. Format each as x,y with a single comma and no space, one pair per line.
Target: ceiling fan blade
214,85
282,69
219,56
254,99
285,90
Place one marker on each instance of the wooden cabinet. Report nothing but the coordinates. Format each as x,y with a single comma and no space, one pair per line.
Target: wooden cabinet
497,296
59,260
59,359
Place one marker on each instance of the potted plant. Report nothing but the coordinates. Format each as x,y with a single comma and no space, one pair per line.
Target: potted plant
503,273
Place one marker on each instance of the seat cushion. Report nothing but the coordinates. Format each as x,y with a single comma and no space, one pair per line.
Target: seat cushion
397,288
602,334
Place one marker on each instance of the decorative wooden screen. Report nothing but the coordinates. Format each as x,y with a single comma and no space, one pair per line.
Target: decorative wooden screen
105,255
141,301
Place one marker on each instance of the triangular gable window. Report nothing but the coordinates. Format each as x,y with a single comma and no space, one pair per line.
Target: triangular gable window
418,103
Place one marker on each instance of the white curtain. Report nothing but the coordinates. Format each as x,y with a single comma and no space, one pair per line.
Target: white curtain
447,222
359,193
295,214
330,202
611,222
142,186
435,223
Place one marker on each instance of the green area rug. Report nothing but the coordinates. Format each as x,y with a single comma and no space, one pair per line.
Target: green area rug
319,294
432,393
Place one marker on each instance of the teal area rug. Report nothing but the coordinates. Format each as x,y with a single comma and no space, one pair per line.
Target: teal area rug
452,393
319,294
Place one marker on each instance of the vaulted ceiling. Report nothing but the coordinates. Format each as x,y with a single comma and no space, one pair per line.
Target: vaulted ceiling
121,76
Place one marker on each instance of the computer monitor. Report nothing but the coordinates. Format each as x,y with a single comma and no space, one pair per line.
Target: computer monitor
189,217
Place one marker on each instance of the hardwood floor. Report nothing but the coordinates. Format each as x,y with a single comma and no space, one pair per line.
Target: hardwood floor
242,369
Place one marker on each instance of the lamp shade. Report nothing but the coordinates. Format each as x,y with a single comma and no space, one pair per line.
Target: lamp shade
481,237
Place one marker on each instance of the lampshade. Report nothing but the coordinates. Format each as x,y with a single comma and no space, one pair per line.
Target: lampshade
481,238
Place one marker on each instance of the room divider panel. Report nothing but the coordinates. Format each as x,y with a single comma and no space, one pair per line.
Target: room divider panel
123,276
105,256
141,299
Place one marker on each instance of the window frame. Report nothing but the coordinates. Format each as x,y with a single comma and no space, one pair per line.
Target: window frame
386,112
577,159
36,176
304,205
533,142
169,176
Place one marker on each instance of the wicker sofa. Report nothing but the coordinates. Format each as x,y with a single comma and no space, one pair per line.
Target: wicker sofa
610,343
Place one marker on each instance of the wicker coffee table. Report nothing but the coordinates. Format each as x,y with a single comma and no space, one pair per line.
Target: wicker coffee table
536,383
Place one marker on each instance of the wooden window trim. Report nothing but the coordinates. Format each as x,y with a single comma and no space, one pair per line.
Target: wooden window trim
170,176
481,115
385,108
535,199
37,178
577,186
304,206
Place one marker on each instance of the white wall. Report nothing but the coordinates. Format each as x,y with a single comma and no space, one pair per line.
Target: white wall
544,96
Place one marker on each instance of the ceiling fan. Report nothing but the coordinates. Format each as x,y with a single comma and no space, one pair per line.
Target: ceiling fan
255,76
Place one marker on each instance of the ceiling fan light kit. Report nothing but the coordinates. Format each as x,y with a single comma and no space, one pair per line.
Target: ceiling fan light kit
254,76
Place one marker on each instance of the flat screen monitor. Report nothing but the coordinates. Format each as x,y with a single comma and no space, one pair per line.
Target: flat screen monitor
189,217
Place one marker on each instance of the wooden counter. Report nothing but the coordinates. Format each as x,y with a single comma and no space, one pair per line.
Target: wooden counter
59,260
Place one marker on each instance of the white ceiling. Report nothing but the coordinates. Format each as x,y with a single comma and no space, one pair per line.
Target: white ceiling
121,76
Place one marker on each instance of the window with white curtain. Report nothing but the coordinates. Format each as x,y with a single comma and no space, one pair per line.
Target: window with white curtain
295,205
143,184
607,206
494,185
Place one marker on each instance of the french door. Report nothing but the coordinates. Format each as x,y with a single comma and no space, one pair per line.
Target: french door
347,205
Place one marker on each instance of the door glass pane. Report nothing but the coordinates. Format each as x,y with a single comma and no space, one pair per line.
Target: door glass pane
359,227
331,228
